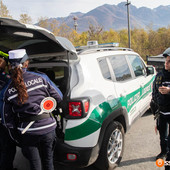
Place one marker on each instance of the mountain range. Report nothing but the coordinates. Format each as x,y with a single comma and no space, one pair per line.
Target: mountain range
115,17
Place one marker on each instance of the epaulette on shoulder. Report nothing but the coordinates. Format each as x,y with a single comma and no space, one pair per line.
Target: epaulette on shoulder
159,79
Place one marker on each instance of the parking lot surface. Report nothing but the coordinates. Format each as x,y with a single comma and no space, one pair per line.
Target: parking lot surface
141,147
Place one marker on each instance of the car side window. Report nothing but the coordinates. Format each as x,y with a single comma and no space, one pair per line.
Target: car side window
120,67
137,65
104,68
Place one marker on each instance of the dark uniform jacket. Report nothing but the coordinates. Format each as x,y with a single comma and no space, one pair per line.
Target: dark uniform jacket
162,100
4,79
38,86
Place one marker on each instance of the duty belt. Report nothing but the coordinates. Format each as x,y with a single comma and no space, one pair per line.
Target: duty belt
34,117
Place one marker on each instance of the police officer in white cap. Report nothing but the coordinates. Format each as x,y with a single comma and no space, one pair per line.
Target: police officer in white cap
7,145
22,101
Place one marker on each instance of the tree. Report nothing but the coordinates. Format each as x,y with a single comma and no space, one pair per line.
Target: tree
43,22
53,27
94,32
50,24
79,39
64,30
123,34
110,36
164,35
154,43
24,18
57,29
74,38
139,39
4,11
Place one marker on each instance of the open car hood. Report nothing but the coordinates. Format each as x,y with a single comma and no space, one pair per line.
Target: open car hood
37,41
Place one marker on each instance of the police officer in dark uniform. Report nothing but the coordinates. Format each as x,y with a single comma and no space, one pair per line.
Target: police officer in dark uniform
7,145
161,99
22,100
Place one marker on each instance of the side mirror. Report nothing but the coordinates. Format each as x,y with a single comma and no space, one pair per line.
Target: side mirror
150,70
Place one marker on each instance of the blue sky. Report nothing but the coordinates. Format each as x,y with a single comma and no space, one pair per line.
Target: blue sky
62,8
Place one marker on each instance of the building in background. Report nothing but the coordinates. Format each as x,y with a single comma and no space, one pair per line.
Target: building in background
157,61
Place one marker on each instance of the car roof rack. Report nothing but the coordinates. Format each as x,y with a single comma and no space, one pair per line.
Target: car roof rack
93,46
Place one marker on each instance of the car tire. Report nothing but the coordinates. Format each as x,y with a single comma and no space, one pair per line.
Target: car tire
111,150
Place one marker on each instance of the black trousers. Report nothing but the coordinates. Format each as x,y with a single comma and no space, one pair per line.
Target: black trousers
38,149
7,149
163,128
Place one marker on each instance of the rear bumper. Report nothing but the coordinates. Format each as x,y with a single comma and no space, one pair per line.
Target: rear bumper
84,156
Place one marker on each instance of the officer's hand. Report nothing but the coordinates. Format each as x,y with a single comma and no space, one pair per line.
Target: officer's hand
164,90
153,106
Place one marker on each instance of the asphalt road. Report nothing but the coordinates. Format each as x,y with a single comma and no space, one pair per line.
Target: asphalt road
141,147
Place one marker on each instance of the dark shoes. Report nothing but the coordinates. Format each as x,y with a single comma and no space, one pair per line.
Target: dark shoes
162,155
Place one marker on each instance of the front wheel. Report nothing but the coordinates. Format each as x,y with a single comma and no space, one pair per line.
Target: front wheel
112,147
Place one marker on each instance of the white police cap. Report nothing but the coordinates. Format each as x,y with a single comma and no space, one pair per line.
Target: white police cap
17,57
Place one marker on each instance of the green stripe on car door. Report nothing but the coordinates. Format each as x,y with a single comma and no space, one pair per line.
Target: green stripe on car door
94,122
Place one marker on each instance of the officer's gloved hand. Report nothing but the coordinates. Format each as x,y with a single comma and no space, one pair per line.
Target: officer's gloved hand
154,107
57,111
157,114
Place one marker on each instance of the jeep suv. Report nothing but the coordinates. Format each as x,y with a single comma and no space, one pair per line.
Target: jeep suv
105,90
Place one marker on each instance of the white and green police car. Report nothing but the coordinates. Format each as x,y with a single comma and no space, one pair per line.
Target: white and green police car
105,90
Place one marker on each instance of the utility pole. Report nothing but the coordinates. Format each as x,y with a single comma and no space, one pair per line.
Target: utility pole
75,23
129,36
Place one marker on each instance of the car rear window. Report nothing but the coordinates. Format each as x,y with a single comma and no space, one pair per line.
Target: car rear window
58,74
